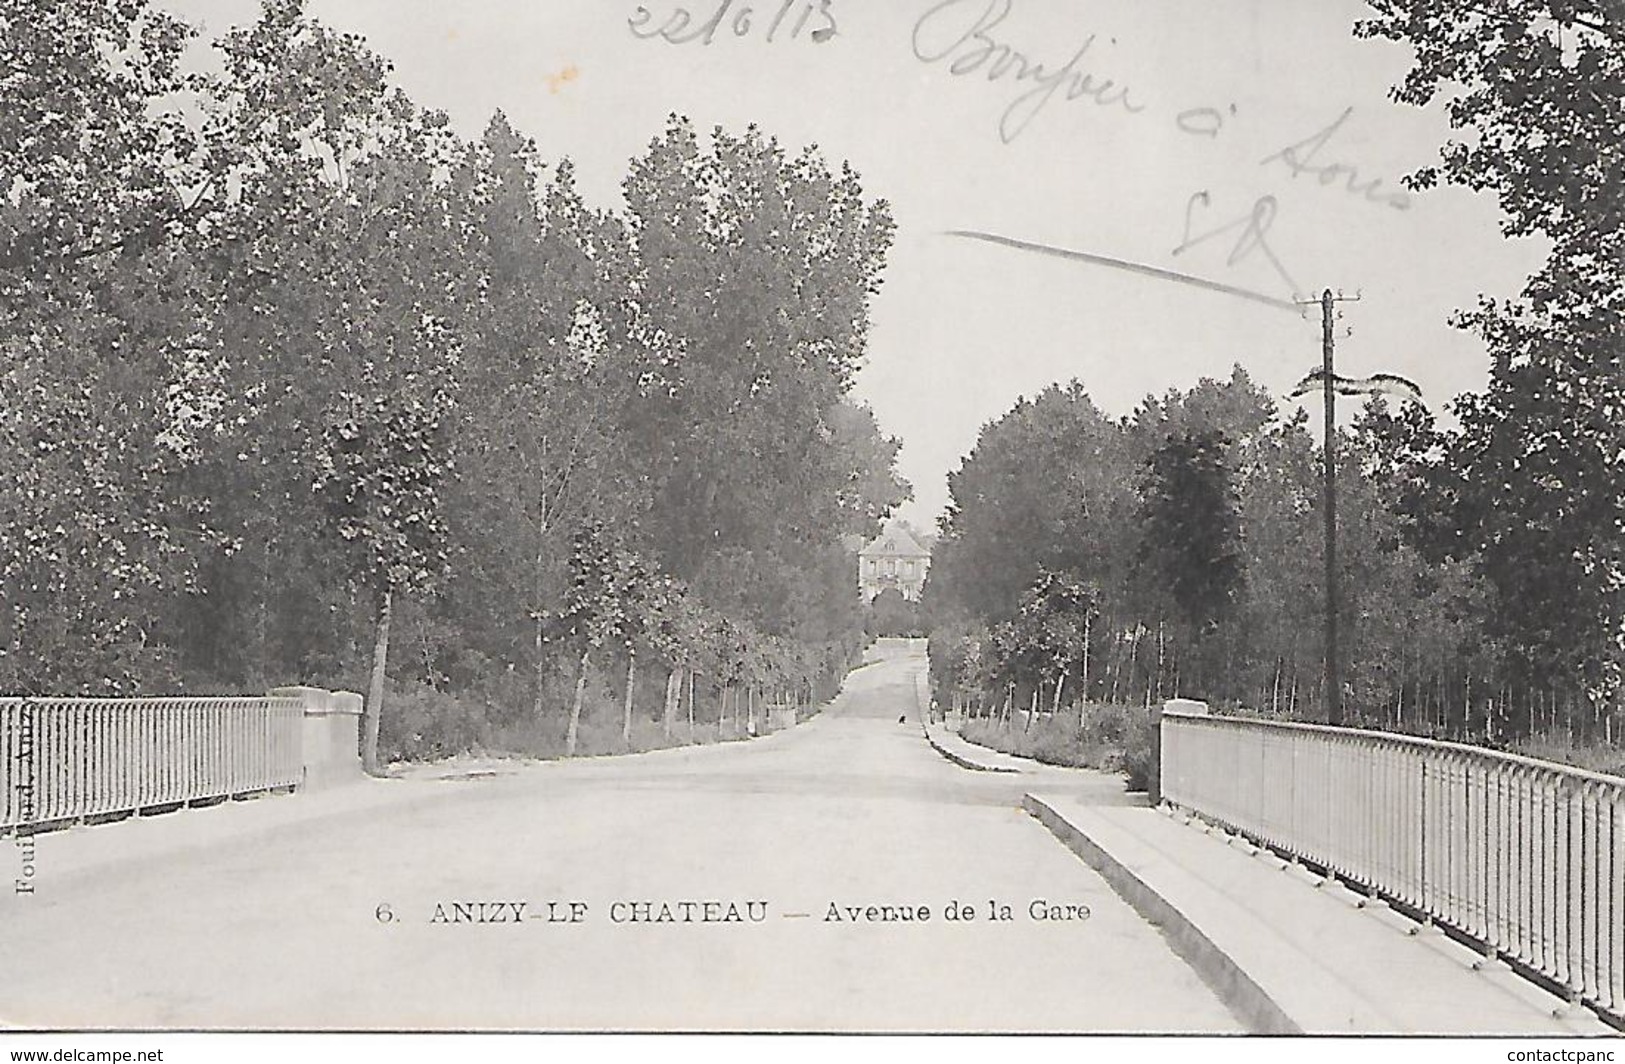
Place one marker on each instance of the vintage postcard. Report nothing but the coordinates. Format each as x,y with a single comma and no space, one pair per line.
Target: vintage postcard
1027,517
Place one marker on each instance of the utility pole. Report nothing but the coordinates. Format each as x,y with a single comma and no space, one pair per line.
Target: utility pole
1334,681
1330,385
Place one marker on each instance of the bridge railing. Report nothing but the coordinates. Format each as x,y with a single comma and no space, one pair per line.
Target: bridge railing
1524,857
68,759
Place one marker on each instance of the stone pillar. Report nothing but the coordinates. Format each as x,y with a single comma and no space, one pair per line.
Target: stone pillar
330,738
1186,706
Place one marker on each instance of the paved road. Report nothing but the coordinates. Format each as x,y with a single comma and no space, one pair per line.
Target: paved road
278,929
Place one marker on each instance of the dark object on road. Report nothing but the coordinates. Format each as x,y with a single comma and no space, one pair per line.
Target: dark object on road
903,719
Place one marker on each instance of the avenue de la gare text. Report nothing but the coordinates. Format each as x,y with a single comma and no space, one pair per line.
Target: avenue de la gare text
693,911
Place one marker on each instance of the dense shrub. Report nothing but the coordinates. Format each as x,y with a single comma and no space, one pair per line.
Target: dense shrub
1139,751
1595,757
424,724
1108,738
891,616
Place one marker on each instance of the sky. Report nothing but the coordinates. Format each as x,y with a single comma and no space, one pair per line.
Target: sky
1248,148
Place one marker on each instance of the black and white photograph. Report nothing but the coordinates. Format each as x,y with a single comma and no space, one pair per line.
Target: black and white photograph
530,522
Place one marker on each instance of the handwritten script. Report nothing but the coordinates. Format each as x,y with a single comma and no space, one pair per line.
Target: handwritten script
977,39
1251,232
814,18
970,37
1300,159
960,32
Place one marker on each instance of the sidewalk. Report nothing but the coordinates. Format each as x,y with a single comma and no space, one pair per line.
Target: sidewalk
1288,956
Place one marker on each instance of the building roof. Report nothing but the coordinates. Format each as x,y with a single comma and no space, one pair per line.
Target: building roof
895,542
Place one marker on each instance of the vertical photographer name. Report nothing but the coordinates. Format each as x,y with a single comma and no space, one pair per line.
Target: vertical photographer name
23,795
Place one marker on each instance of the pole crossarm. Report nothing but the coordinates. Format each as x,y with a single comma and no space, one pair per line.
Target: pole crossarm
1376,384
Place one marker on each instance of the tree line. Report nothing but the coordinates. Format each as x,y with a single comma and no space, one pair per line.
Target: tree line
1178,550
301,385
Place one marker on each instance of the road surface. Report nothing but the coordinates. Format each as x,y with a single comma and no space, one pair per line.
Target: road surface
838,848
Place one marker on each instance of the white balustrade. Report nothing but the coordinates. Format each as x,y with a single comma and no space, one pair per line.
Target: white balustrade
1525,857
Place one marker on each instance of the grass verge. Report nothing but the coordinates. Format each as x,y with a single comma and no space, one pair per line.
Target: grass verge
1105,737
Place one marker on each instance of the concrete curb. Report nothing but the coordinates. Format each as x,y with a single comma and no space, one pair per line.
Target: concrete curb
1234,987
963,762
1028,763
922,712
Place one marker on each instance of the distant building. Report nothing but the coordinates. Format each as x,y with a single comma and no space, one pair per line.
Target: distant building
895,559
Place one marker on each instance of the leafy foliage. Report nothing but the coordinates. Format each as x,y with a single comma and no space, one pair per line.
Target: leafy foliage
892,616
282,357
1532,89
1189,528
379,475
1215,592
